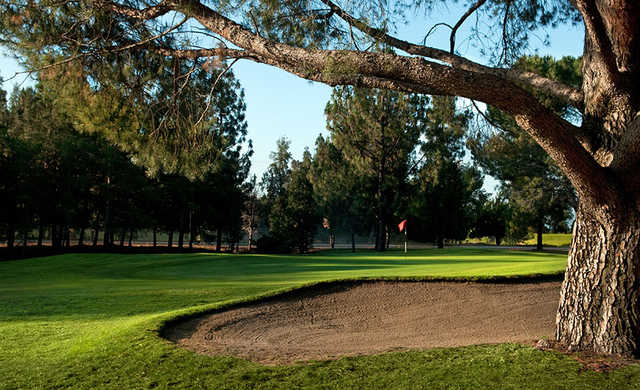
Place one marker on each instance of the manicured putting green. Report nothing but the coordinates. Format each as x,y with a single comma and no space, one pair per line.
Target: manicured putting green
91,321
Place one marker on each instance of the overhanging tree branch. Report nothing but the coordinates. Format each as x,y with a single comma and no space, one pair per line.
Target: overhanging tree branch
148,13
567,93
223,53
412,74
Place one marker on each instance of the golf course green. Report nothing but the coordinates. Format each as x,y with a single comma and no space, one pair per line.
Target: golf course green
87,321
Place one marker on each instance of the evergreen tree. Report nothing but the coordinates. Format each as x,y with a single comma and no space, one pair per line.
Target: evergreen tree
539,192
343,195
378,131
491,220
443,189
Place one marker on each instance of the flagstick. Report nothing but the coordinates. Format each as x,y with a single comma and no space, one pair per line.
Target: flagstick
405,240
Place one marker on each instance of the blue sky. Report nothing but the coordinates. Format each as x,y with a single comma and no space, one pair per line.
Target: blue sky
282,105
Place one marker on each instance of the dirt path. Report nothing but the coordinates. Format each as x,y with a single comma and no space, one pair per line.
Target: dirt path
367,318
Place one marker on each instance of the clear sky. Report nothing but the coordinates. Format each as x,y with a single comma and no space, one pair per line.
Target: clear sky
280,104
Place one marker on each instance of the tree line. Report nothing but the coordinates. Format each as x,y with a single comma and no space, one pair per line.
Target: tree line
389,156
60,181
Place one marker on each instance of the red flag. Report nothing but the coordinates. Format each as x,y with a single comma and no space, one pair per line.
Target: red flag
402,225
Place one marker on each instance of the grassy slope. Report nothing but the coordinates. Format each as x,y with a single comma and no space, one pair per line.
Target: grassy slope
79,321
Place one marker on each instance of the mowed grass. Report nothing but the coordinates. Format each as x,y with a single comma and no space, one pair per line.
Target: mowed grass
551,239
91,322
548,239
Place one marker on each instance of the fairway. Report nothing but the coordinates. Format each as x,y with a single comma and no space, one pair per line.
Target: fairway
91,321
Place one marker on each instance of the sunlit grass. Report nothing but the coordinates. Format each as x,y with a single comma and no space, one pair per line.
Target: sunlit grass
91,321
551,239
548,239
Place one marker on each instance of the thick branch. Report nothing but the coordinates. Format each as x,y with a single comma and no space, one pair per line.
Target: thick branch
386,70
148,13
497,87
626,155
554,136
199,53
572,95
569,94
596,31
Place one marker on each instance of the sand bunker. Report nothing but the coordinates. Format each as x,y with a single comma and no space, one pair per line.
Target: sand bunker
330,321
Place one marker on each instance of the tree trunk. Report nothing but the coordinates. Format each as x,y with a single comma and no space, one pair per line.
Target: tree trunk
380,204
332,239
387,238
250,237
25,238
107,240
180,238
540,228
54,236
181,230
380,236
155,238
353,242
67,237
96,233
440,241
81,237
599,301
170,239
11,234
123,233
218,240
40,234
130,237
191,233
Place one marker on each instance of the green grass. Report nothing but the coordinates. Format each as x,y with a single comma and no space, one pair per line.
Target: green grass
91,322
551,239
548,239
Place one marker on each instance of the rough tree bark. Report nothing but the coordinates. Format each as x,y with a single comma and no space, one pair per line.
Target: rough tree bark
599,299
540,229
